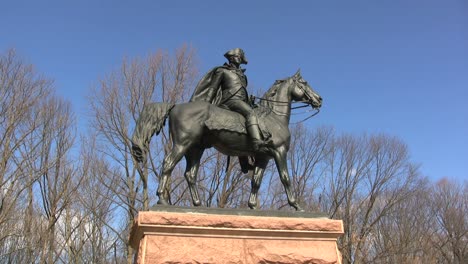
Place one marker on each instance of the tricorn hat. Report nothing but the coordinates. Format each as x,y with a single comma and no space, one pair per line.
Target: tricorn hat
236,52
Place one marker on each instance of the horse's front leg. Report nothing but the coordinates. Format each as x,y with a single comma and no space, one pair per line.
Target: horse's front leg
193,157
282,166
257,177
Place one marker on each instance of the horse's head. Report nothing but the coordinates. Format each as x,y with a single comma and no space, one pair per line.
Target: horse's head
302,92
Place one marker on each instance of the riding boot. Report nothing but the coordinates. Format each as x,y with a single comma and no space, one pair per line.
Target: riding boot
253,130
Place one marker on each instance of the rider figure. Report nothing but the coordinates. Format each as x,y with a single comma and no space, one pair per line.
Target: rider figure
226,86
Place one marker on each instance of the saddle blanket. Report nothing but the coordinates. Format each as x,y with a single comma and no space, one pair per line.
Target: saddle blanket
222,119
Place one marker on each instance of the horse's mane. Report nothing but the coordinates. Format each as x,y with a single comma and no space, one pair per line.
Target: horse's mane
272,92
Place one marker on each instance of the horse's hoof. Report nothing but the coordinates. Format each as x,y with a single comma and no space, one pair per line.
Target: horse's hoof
296,206
197,203
299,209
163,202
253,206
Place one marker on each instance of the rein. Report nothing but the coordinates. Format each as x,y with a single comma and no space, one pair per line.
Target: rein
317,110
253,98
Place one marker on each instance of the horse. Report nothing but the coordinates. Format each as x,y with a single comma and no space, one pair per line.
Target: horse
190,125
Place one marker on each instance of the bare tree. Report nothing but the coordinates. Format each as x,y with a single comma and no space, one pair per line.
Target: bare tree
222,183
93,238
427,227
308,150
306,157
22,92
367,177
37,178
116,104
59,180
402,235
57,206
450,211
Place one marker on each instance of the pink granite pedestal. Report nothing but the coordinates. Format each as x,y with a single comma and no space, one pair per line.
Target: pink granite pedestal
200,237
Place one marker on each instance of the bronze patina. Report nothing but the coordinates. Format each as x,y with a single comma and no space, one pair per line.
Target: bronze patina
220,115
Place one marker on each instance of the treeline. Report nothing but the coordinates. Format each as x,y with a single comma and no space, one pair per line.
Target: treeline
69,198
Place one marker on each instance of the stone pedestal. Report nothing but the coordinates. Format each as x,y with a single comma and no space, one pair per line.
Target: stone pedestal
192,235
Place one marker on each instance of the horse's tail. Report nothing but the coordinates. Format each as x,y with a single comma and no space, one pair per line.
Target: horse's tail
152,119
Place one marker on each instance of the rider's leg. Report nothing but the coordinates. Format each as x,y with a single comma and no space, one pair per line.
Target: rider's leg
253,129
238,106
252,126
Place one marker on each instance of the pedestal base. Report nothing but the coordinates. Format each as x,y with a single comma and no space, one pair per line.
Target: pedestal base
188,235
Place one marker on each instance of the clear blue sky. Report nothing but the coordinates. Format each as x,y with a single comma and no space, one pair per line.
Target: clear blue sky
399,67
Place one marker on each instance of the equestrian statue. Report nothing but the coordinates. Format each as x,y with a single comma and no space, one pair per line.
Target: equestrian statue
221,114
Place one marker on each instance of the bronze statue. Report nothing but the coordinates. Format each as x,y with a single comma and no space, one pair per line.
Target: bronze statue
202,124
226,86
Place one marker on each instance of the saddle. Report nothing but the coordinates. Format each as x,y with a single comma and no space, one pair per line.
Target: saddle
223,119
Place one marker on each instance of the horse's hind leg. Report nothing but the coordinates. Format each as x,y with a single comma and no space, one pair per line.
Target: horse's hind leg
193,163
170,161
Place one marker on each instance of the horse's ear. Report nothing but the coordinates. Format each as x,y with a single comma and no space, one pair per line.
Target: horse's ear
298,74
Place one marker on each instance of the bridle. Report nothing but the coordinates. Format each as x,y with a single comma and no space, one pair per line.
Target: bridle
305,102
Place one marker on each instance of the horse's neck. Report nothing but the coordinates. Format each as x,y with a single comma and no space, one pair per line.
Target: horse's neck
279,101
